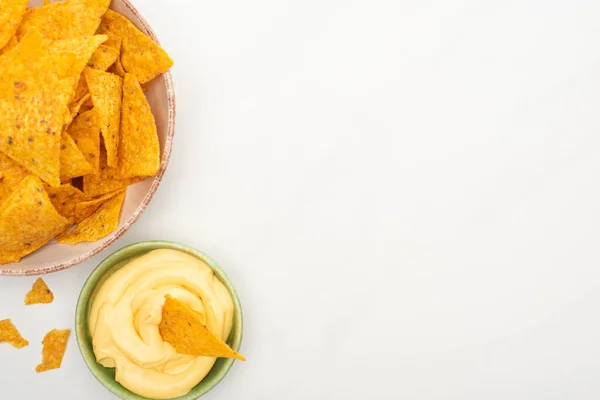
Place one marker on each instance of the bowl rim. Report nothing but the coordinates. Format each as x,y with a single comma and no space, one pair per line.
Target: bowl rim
166,155
90,285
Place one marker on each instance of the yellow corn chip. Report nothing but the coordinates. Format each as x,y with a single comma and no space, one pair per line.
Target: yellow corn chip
28,219
39,294
139,150
11,12
64,20
12,172
11,43
105,181
70,56
9,334
81,90
107,92
87,208
75,107
55,344
65,199
85,131
117,68
33,108
140,55
72,162
184,328
106,54
104,221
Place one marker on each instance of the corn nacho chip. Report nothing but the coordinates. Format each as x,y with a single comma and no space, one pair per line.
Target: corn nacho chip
117,68
100,224
64,20
12,172
9,334
11,12
66,198
139,150
33,108
107,92
85,131
87,208
140,55
70,56
185,329
39,294
104,57
75,108
55,344
72,162
105,181
28,220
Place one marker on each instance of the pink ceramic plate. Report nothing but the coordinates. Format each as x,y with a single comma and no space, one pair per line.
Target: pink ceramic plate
161,96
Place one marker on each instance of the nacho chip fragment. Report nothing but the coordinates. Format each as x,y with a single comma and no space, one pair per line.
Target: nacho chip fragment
11,12
85,131
55,344
105,56
28,220
184,328
65,199
105,181
139,150
87,208
117,68
39,294
72,162
33,108
9,334
140,55
12,172
100,224
107,92
64,20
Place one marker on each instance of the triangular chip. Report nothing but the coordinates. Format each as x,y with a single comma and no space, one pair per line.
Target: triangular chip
75,107
105,181
72,162
80,91
70,56
33,108
139,150
66,19
28,220
55,344
12,172
107,92
104,57
184,328
40,294
11,12
140,55
9,334
85,131
87,208
100,224
117,68
65,199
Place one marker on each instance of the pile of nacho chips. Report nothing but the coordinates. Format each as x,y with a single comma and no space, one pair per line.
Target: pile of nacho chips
75,126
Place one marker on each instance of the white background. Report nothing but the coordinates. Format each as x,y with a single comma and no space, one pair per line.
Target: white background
405,193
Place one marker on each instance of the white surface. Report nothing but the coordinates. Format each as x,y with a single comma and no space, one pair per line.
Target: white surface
404,193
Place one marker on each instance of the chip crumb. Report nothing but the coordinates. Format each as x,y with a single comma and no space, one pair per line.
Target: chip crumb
55,344
185,329
9,334
39,294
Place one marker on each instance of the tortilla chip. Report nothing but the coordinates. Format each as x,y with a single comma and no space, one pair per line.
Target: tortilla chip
85,131
105,181
12,172
104,57
33,108
9,334
70,56
117,68
87,208
64,20
28,220
140,55
11,12
185,329
10,45
139,150
100,224
55,344
81,90
39,294
65,199
107,92
72,162
75,107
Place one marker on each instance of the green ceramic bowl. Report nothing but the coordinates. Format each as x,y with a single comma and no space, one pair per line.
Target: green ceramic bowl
105,269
